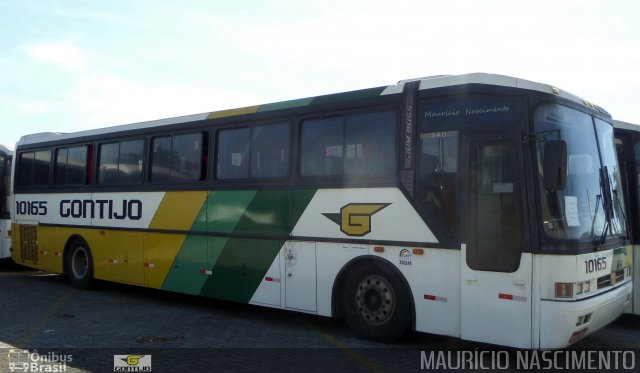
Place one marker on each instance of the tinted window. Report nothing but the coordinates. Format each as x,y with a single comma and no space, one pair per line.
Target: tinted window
109,155
270,151
4,185
25,168
634,179
179,158
258,152
233,154
34,168
71,166
121,162
370,144
362,144
42,165
161,159
321,147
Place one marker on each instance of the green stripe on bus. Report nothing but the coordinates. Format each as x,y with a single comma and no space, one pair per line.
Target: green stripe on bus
223,210
232,268
286,105
220,213
185,274
240,269
268,213
326,99
244,262
355,95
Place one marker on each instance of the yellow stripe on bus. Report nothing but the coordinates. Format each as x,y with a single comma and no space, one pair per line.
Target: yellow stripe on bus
178,210
160,251
233,112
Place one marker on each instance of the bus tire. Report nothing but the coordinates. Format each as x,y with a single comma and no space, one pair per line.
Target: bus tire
79,264
376,302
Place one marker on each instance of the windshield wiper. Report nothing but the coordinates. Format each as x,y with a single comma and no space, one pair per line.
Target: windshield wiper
607,206
616,199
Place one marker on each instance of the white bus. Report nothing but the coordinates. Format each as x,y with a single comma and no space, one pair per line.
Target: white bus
478,206
6,156
627,136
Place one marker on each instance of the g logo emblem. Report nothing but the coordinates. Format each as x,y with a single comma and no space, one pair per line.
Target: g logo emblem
133,359
354,219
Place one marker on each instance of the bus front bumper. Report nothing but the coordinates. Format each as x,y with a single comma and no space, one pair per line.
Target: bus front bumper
563,323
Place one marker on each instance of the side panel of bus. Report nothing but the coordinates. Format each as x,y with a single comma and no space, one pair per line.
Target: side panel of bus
217,244
5,205
634,308
628,151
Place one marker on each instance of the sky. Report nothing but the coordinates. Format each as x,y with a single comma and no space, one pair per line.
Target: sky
71,65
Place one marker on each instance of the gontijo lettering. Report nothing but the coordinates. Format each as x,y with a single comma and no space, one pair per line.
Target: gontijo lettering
86,208
101,209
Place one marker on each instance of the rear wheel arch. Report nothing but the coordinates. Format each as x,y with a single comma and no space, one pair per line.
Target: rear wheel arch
67,249
78,262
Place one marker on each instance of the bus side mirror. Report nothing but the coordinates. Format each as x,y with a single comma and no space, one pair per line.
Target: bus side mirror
554,164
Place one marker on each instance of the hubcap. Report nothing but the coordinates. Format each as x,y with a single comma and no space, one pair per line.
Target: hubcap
375,300
80,263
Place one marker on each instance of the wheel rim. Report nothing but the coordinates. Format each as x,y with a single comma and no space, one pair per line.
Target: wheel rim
375,300
79,263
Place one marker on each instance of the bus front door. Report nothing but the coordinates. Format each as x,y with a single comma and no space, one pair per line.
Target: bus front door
495,273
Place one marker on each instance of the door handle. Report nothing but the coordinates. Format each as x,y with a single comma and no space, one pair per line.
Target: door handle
519,282
471,279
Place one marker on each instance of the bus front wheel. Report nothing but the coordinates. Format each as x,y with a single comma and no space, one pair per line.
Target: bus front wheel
79,264
376,302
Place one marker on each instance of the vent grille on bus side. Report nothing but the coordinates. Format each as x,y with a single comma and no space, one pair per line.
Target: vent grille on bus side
29,242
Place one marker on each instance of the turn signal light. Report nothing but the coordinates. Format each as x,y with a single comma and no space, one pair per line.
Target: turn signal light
564,290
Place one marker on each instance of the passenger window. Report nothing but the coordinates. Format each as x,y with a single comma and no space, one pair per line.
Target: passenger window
270,151
370,144
360,144
121,163
34,168
636,162
258,152
161,159
321,147
71,166
233,154
179,158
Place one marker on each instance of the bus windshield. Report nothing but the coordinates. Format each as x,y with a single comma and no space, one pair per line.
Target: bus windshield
589,206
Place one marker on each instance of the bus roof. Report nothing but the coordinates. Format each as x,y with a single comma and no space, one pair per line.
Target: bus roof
425,83
625,125
5,150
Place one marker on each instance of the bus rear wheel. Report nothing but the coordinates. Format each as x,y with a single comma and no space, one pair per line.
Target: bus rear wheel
376,302
79,264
